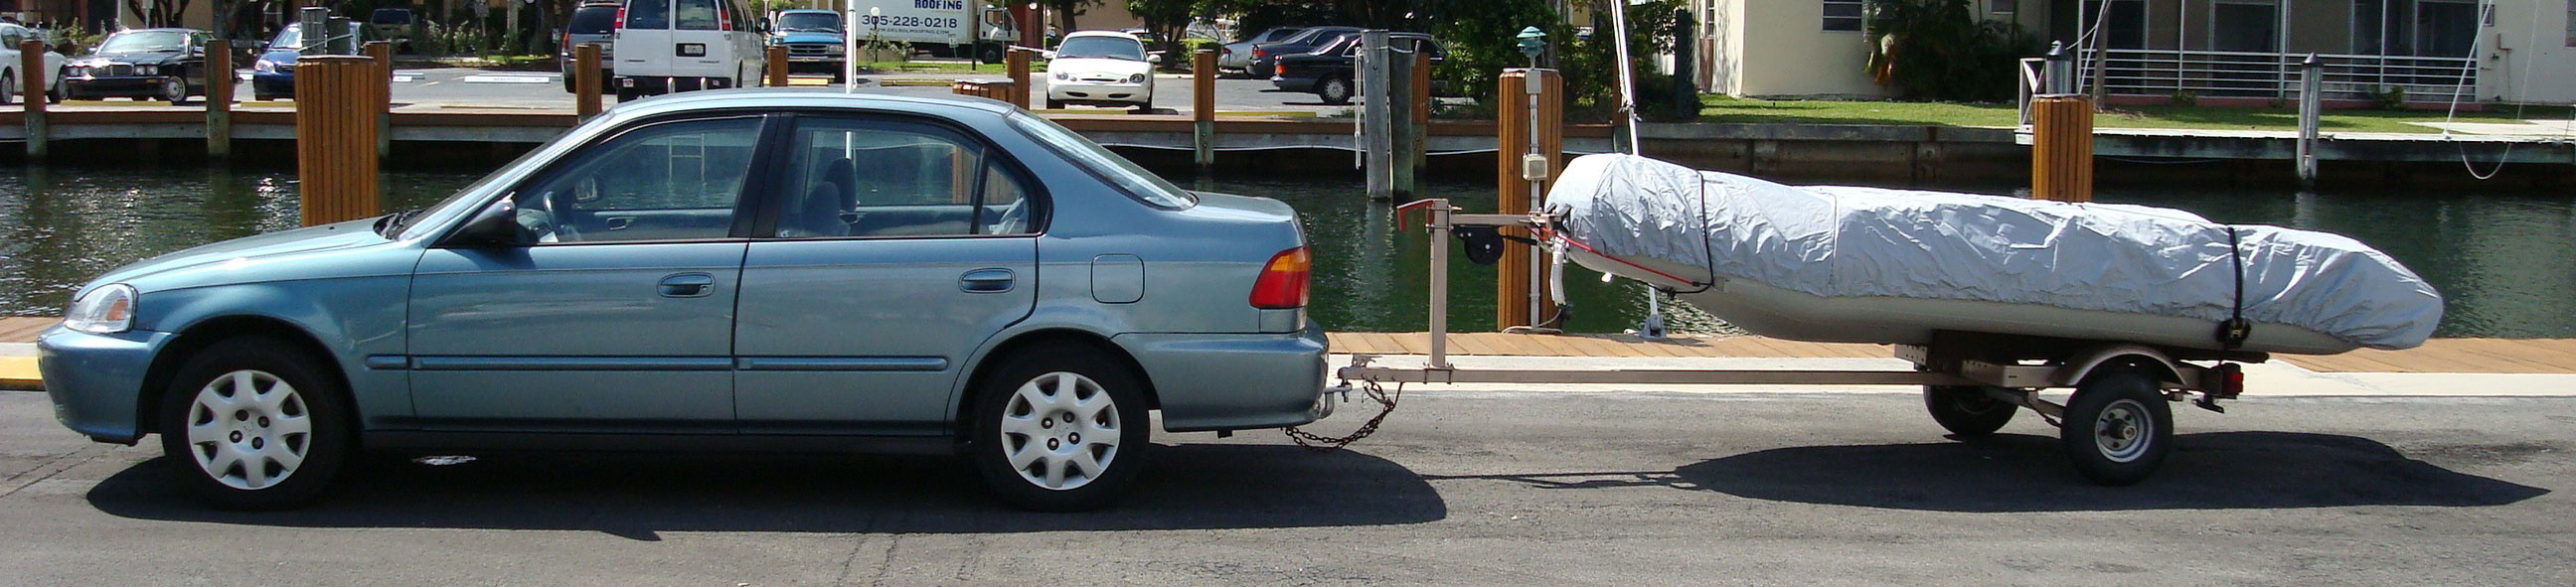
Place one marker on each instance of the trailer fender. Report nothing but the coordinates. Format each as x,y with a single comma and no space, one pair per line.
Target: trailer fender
2081,365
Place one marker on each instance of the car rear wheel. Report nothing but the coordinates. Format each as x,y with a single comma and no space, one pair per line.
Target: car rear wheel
9,87
1059,428
991,54
1334,90
255,424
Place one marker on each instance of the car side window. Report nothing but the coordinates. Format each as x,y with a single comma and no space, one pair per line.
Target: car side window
696,15
648,14
891,178
670,181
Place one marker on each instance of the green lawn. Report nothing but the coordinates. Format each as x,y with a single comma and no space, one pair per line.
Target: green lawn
1719,108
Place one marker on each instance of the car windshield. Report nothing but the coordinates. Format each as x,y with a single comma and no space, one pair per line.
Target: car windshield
1101,48
593,20
1315,36
390,16
809,22
138,41
288,38
1136,181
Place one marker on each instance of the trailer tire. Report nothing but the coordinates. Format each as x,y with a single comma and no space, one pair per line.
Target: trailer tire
2118,427
1967,411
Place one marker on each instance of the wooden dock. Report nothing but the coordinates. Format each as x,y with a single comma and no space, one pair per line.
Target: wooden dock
2442,355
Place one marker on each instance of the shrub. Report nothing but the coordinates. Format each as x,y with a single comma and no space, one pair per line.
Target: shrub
1940,50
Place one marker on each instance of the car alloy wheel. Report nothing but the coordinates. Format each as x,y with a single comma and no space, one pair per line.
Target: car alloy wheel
249,430
1060,431
174,90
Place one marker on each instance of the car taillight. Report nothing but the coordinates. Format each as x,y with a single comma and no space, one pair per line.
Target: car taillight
1258,53
621,18
1282,284
724,20
567,42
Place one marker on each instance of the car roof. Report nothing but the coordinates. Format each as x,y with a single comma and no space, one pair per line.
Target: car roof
1103,34
808,97
163,29
808,11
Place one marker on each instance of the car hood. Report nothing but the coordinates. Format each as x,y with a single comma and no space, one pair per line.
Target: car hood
134,58
1080,66
243,253
807,37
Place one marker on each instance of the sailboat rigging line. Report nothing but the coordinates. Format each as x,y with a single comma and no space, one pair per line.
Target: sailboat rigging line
1627,84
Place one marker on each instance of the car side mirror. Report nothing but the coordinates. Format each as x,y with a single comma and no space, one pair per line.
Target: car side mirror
496,226
1154,58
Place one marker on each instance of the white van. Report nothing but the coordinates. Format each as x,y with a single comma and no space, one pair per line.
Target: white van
667,46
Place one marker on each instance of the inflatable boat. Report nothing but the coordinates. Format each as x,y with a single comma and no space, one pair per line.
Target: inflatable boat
1855,264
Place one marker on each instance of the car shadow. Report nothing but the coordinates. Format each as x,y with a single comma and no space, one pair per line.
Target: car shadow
639,496
2024,473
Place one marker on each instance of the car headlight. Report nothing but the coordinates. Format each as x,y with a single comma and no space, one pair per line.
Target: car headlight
106,310
1136,79
834,49
1062,76
75,71
264,66
147,70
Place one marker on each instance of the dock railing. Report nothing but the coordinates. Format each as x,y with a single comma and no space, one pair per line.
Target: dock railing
2167,72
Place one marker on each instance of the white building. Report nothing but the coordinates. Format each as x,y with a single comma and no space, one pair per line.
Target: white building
2214,51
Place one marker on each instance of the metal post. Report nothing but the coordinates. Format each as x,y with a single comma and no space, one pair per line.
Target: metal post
1203,108
1534,169
2059,78
585,80
344,36
2311,82
382,53
31,91
1376,118
850,51
219,99
314,24
1439,283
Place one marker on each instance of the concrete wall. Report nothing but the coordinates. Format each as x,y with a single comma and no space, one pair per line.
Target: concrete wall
1785,51
2528,54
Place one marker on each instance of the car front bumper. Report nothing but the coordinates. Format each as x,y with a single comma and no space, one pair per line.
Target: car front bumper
1234,381
1093,92
273,84
96,380
128,86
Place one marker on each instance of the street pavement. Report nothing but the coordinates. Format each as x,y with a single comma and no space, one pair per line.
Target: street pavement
1750,485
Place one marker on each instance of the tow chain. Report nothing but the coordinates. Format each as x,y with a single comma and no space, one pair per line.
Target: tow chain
1370,389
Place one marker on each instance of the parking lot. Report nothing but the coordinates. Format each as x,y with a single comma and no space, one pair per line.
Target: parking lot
1749,486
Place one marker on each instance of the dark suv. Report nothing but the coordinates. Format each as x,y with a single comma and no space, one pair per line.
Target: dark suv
593,22
1328,70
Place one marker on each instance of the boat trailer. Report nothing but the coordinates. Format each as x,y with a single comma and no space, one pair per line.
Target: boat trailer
2116,427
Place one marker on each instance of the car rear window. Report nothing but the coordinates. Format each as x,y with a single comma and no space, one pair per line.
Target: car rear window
593,20
648,14
1118,171
696,15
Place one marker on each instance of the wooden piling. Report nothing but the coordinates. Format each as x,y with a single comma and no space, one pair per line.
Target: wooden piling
1018,64
219,99
382,54
1512,127
984,88
1203,108
335,123
1421,132
2061,148
585,81
777,68
31,64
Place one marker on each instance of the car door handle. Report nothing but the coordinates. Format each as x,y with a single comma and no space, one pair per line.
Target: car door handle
985,281
688,285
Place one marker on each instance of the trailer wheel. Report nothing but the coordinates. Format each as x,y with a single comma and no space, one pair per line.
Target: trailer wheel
2117,427
1967,411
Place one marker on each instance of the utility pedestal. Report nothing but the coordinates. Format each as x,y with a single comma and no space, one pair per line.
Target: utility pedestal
1523,180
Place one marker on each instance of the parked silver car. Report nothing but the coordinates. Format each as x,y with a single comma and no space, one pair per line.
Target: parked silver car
752,269
1236,57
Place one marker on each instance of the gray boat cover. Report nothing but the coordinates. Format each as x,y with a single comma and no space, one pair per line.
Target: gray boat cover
1838,241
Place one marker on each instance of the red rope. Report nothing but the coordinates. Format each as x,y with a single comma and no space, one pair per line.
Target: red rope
1596,252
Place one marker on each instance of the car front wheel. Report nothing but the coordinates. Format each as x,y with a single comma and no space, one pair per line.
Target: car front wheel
174,90
255,424
1059,428
1334,90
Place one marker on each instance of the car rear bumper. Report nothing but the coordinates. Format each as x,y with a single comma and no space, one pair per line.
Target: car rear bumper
1234,381
96,380
1294,84
662,84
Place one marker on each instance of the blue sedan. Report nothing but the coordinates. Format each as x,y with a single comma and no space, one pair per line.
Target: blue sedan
760,269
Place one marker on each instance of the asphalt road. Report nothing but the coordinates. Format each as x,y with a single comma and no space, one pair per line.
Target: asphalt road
458,87
1458,488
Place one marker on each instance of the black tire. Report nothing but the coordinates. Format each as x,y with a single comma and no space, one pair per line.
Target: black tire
2118,427
57,94
990,54
181,97
625,94
1335,90
318,398
9,81
989,445
1967,411
568,85
1054,104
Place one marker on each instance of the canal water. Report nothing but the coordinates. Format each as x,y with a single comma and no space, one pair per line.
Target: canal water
2505,262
